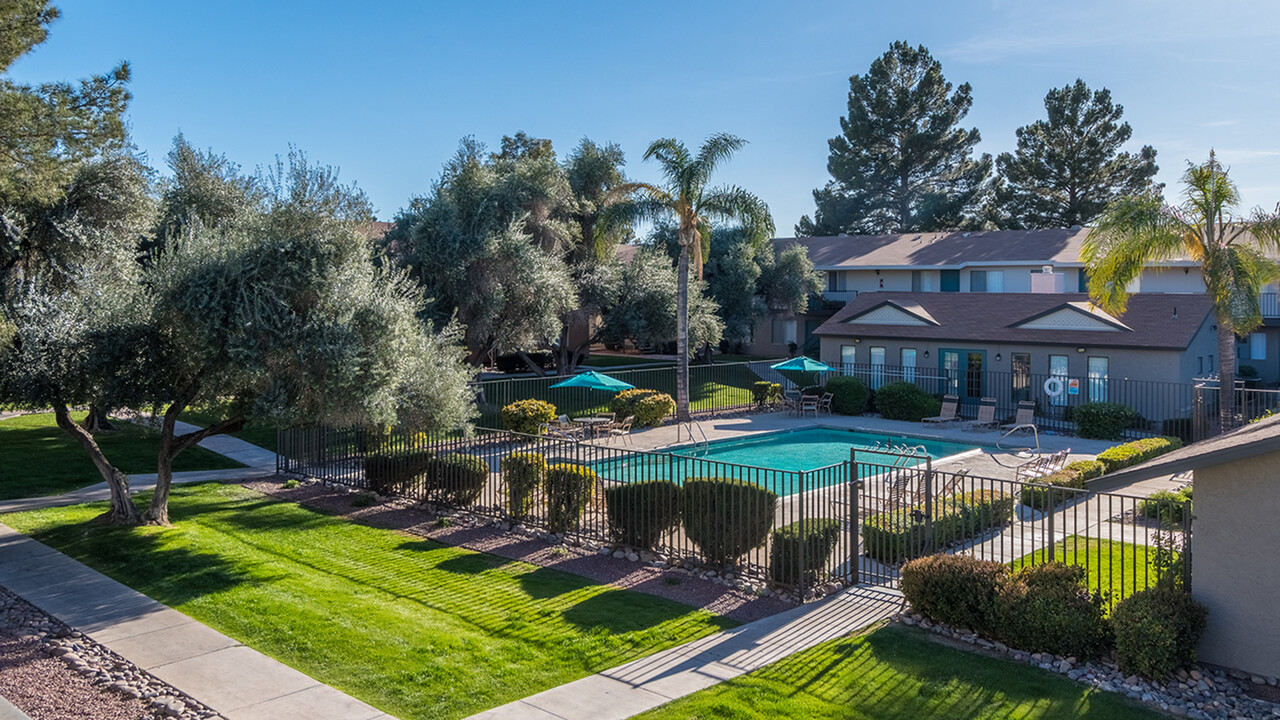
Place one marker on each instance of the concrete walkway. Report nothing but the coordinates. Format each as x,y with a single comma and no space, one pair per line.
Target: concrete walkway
644,684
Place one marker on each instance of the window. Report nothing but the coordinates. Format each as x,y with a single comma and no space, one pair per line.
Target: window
921,281
1058,369
995,281
784,331
831,282
1021,364
1083,286
1212,368
978,281
1257,346
1200,362
848,354
877,367
908,364
950,281
1098,367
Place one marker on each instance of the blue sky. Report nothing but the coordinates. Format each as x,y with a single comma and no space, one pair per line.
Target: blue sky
385,90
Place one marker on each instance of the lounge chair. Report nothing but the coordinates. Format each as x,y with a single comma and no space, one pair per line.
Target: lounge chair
986,415
950,406
1025,419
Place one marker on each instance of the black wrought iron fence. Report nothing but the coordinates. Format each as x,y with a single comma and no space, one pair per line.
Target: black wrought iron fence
712,388
766,526
1251,404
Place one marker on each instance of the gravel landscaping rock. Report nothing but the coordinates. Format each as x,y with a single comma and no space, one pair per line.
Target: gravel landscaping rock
54,672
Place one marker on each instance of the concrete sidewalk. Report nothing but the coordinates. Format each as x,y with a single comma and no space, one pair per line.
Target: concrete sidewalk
238,682
644,684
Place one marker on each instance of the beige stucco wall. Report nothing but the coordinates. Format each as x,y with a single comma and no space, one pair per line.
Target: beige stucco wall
1236,562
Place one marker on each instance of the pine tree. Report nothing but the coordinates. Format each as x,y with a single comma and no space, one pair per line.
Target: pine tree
1069,167
900,163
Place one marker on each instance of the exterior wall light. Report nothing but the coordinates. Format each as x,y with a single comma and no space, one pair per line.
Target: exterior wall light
997,357
1080,350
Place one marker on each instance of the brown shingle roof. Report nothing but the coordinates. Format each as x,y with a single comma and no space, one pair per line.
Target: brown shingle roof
993,318
946,249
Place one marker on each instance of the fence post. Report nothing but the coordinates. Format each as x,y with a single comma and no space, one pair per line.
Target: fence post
928,503
1049,545
805,582
1186,545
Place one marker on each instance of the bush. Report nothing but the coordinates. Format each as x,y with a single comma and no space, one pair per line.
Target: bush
570,489
766,393
900,535
957,590
641,512
1103,420
456,480
393,472
848,395
1167,506
725,517
1132,453
1047,608
522,474
524,416
1156,631
905,401
649,407
1074,475
817,539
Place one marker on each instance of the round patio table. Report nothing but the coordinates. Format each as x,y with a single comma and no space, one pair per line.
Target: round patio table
592,422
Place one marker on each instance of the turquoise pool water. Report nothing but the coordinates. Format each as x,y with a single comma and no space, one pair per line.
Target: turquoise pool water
780,455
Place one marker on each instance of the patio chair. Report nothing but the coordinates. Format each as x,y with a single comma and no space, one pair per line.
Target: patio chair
986,415
950,406
622,430
809,403
1025,418
824,404
567,428
952,486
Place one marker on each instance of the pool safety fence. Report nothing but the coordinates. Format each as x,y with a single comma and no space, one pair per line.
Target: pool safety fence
808,532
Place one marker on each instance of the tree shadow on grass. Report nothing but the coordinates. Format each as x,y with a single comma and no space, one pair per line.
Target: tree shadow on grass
620,611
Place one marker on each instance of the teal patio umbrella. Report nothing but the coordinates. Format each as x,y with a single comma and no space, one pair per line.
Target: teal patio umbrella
594,381
802,364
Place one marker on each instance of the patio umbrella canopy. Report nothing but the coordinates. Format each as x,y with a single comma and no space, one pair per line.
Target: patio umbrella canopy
594,381
802,364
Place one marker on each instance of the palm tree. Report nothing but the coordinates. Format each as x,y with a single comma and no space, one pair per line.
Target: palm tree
1232,252
687,196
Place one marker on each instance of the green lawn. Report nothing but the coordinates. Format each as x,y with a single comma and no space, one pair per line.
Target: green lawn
1110,564
897,673
261,434
38,458
419,629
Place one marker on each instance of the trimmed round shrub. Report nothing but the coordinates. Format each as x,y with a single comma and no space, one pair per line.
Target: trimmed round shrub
393,472
1103,420
641,513
1047,608
905,401
1156,631
1167,506
815,539
456,480
764,393
649,407
570,489
524,416
957,590
522,474
849,395
725,517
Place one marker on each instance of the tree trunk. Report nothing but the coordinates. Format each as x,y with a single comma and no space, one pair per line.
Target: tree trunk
529,363
1226,375
122,510
172,445
97,421
682,335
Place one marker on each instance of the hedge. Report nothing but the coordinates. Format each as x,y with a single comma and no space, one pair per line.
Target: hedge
1132,453
456,480
766,393
570,489
524,416
725,517
958,590
1047,608
392,472
1156,631
905,401
1103,420
641,513
815,538
1167,506
649,407
1074,475
848,395
522,475
900,535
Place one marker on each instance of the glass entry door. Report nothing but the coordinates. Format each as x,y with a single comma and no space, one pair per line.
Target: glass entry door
963,370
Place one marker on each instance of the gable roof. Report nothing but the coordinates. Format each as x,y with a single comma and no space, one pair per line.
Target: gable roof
1256,439
1073,316
890,312
1155,321
954,249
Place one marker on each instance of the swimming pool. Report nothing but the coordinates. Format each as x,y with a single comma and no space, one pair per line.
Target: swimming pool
782,456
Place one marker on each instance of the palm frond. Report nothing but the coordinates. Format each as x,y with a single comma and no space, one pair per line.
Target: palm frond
674,158
1132,232
1236,284
716,150
1210,193
1265,229
734,203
